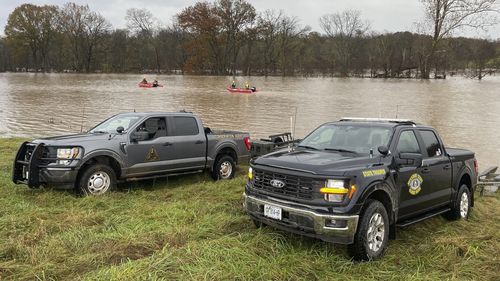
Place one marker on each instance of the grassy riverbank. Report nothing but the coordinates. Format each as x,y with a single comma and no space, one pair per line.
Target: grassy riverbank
193,228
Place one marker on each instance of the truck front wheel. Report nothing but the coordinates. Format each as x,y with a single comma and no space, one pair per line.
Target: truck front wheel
224,168
97,179
372,235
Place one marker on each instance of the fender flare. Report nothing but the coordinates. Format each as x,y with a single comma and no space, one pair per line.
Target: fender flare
102,152
224,145
388,189
465,170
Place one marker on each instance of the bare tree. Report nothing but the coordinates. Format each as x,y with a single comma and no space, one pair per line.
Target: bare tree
343,28
237,17
268,23
142,22
289,31
443,17
85,29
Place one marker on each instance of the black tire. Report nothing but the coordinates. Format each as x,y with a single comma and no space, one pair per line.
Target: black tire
456,209
365,248
224,168
97,179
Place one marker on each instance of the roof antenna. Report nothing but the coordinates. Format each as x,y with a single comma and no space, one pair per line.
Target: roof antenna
83,117
397,110
293,122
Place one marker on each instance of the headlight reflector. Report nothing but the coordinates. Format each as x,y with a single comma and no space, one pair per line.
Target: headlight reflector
250,173
67,153
336,190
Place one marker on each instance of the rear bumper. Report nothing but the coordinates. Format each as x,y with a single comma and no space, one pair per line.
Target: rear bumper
305,221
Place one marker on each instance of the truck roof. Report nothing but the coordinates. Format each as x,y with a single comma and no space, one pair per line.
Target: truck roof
382,122
156,113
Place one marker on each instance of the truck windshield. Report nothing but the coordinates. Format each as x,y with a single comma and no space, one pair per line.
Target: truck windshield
110,125
344,138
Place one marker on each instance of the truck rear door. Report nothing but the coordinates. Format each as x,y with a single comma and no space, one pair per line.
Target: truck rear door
188,142
436,169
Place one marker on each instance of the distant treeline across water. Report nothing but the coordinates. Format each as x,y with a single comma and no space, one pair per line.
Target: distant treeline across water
230,37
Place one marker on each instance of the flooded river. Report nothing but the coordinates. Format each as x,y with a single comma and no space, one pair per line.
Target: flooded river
465,111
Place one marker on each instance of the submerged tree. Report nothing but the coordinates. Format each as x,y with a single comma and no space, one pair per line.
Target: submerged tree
33,27
443,17
344,29
142,22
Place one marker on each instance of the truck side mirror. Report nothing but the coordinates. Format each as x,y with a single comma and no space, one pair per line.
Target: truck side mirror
139,136
383,150
120,129
409,159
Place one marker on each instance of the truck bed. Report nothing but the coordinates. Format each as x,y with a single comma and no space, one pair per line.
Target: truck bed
460,154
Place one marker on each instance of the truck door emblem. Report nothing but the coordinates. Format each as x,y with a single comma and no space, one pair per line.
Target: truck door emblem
277,183
415,184
152,155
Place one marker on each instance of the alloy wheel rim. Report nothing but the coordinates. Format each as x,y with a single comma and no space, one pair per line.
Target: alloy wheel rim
225,169
98,183
375,233
464,205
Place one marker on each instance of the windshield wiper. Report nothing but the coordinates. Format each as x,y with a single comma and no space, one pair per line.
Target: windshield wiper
307,146
340,150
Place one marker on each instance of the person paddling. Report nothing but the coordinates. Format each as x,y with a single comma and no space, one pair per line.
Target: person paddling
155,83
144,81
247,86
233,85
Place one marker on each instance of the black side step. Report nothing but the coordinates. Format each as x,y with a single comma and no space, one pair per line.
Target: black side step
422,217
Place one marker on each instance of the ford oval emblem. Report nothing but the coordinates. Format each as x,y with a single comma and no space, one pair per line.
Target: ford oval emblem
277,183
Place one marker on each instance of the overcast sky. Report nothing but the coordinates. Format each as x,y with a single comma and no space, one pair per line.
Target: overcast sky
383,15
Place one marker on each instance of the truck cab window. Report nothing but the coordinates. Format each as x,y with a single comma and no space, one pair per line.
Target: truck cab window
408,143
431,143
185,126
156,127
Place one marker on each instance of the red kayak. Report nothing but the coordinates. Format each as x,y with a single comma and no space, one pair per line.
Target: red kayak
148,85
241,90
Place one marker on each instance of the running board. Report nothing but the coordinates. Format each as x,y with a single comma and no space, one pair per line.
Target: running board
422,217
162,176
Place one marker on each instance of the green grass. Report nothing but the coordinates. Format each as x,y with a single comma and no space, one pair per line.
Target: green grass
193,228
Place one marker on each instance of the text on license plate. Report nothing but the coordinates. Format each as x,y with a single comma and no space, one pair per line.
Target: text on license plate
272,212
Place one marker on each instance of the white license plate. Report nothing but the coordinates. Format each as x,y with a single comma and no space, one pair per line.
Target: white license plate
272,212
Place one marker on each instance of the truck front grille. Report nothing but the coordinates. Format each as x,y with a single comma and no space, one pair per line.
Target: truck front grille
294,186
46,154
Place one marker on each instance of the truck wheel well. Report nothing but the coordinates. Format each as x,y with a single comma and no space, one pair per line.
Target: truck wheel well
468,182
383,198
106,160
227,151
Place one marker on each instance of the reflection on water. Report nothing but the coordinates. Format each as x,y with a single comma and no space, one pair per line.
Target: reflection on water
466,112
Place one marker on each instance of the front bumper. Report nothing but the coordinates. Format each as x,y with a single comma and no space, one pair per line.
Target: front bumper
304,221
34,174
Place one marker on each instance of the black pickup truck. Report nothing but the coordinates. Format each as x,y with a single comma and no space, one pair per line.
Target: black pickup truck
130,146
353,181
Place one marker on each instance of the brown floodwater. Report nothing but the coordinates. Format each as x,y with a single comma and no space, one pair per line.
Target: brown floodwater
466,112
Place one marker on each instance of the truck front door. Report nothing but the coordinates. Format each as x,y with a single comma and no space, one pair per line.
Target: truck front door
408,178
151,155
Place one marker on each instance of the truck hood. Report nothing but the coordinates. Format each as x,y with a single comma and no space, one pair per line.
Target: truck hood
317,162
74,139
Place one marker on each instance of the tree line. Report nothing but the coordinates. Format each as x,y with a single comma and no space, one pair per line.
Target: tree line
229,37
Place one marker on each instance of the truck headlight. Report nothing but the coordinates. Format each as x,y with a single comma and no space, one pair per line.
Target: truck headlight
67,153
336,190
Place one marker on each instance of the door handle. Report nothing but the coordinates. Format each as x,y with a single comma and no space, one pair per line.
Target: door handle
199,142
446,167
167,143
426,171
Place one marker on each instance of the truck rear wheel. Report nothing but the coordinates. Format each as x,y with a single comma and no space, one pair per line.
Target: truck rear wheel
97,179
461,206
224,168
372,236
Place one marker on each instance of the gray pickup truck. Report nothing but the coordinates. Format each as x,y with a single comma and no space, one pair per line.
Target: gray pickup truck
130,146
